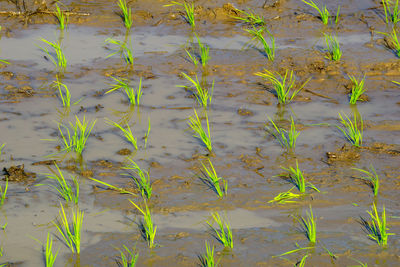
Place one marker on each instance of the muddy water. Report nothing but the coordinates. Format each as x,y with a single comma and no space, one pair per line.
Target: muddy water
244,153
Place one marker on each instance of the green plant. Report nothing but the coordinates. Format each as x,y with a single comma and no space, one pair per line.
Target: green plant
130,260
123,49
297,179
126,13
59,59
71,232
126,131
308,226
223,234
352,130
120,190
133,95
195,125
283,85
63,187
211,178
65,96
49,256
146,137
257,34
371,178
188,10
1,147
302,262
3,193
207,259
203,95
249,18
392,42
61,17
361,264
4,61
392,12
287,139
332,47
142,179
147,227
323,12
286,197
357,89
377,228
204,52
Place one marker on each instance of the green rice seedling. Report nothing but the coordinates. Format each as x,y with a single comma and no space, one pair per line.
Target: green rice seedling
3,193
134,95
392,12
193,58
188,9
148,229
371,178
207,259
64,188
249,18
361,264
1,147
130,260
283,85
302,262
352,130
59,59
377,228
392,42
204,52
333,48
65,96
126,14
223,234
71,232
203,95
297,179
308,226
210,177
258,37
119,190
123,49
49,256
142,179
323,12
126,131
62,18
146,137
286,197
196,126
76,137
4,61
357,89
287,138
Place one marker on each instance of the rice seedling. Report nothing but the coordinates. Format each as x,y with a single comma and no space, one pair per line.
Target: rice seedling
392,42
308,226
287,138
203,95
1,148
297,179
65,96
126,131
119,190
123,49
258,37
49,256
147,227
3,227
204,52
188,9
210,177
126,14
75,138
207,259
130,260
392,12
62,18
4,61
371,178
134,95
223,234
286,197
142,179
323,12
360,264
146,137
196,126
283,85
332,47
59,58
70,232
352,130
249,18
377,227
3,193
302,262
357,89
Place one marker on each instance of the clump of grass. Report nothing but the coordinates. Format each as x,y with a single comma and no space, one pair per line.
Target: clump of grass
126,131
210,177
62,18
188,9
71,232
283,85
147,227
207,259
142,179
49,256
203,95
3,193
126,14
130,260
323,12
357,89
332,47
258,37
287,138
223,234
64,188
59,59
123,49
286,197
297,179
371,178
249,18
392,12
308,226
196,126
353,130
392,42
377,227
133,95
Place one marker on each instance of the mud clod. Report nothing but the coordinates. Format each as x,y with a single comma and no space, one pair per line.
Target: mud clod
17,174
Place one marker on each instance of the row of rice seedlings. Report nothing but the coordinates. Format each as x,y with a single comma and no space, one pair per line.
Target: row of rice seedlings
199,90
59,60
3,193
122,49
198,131
283,85
218,184
126,131
64,188
392,11
357,89
296,177
142,179
371,178
70,231
258,37
323,12
203,53
112,187
332,47
223,233
126,14
188,10
352,129
308,226
147,227
130,259
134,95
249,18
287,138
207,259
62,18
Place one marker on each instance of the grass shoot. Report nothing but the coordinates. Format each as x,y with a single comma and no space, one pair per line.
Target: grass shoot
392,42
147,227
142,179
332,47
62,18
287,138
197,128
371,178
130,260
59,59
188,9
392,11
218,184
126,131
357,89
223,234
258,37
207,259
249,18
133,95
308,226
3,193
377,227
49,256
203,95
297,179
123,49
204,52
126,14
323,12
118,189
1,148
286,197
352,130
66,95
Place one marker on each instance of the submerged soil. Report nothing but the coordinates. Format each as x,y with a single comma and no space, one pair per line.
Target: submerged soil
244,153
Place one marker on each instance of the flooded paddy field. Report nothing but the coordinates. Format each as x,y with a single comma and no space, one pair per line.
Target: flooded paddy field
329,179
